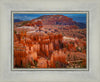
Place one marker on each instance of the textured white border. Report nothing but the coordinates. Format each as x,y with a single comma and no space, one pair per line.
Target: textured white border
6,6
63,12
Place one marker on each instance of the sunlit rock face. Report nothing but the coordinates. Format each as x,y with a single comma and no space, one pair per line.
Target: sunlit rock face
41,50
58,59
35,45
42,63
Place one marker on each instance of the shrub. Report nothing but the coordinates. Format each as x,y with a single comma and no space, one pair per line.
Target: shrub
67,46
15,32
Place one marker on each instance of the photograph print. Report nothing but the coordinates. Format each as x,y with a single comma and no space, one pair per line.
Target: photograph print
45,40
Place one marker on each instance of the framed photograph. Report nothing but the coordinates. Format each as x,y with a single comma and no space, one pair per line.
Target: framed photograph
49,41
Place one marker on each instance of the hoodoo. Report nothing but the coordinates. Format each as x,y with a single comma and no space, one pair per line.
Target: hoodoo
38,44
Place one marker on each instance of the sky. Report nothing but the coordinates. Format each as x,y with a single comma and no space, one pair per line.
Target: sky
76,17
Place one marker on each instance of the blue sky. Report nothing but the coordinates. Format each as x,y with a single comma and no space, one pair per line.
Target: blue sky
75,17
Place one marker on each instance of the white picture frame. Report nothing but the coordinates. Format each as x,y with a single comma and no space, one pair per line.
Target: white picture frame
6,74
